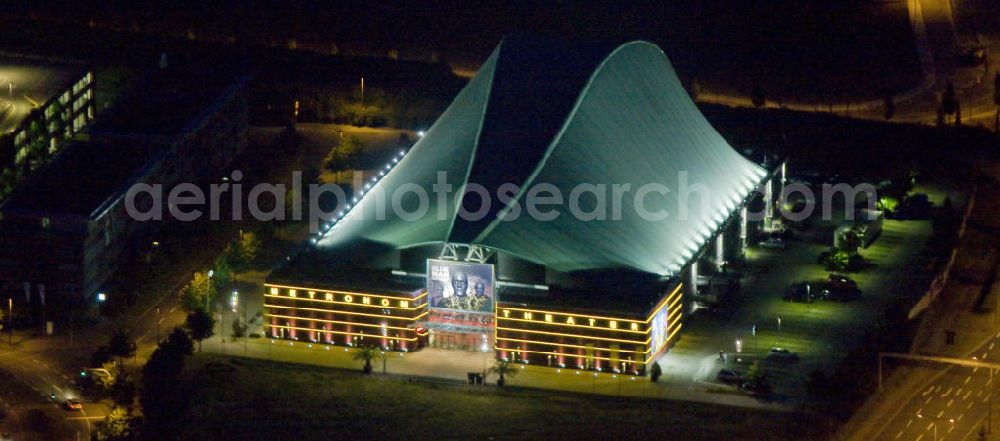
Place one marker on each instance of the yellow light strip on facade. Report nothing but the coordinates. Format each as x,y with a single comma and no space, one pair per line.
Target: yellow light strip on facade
584,357
335,321
670,336
666,342
619,319
342,333
576,336
675,313
554,323
358,303
667,302
395,317
300,288
674,303
596,348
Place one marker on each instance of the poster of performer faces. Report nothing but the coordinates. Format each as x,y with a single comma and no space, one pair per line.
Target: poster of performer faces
460,285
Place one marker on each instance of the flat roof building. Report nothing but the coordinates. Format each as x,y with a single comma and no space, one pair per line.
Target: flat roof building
66,229
43,104
582,281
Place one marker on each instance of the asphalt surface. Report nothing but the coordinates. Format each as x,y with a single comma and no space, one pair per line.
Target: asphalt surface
956,404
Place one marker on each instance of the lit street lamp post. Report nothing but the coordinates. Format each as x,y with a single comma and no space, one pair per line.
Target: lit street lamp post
934,425
208,288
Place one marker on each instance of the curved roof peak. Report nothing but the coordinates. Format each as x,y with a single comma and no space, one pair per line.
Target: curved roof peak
536,83
542,111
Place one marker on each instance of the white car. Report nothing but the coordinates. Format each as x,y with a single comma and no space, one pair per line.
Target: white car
772,243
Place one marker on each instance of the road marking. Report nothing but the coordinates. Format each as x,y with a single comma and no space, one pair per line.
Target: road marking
928,400
57,388
930,426
909,423
970,405
940,413
945,395
175,308
920,437
966,397
950,402
161,321
967,379
959,417
929,389
899,434
991,346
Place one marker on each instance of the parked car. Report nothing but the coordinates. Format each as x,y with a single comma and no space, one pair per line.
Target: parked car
840,288
772,243
73,404
782,354
801,292
729,376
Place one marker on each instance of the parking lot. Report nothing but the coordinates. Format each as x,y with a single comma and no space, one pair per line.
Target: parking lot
820,333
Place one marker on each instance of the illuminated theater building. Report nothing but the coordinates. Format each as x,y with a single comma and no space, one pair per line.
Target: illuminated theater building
606,290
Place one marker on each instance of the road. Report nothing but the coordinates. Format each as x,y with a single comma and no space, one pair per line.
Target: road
955,404
937,46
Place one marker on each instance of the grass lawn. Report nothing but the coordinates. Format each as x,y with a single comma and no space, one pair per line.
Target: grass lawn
264,400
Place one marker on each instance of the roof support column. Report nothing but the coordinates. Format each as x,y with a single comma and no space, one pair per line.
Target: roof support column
769,201
743,230
692,282
720,251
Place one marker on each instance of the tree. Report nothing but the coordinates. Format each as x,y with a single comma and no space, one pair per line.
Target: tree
949,103
757,97
655,372
249,247
344,156
178,342
122,389
818,383
367,353
239,328
889,105
121,347
100,356
194,295
201,325
695,89
996,100
163,396
503,369
756,380
118,425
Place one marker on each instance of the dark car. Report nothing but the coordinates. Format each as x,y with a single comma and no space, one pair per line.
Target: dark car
729,376
782,354
841,288
801,293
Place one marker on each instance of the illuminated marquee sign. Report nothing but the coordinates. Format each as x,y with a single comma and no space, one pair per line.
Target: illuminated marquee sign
580,321
339,297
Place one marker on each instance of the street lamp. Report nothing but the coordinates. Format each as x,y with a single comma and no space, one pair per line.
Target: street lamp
208,288
950,420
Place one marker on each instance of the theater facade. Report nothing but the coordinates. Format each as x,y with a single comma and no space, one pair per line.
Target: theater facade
604,291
